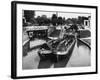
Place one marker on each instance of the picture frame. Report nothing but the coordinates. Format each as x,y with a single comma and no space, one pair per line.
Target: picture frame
35,19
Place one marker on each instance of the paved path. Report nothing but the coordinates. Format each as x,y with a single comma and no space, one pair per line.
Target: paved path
80,56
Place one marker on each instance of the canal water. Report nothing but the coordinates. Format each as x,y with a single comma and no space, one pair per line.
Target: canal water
80,56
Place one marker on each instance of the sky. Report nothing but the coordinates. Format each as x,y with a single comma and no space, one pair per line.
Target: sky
65,14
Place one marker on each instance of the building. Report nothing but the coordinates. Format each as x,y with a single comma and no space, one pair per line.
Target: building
87,22
40,32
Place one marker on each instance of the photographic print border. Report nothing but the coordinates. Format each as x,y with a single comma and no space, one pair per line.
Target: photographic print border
14,38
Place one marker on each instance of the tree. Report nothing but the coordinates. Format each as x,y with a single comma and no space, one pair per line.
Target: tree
68,21
63,20
74,21
43,20
29,15
39,21
54,19
59,20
